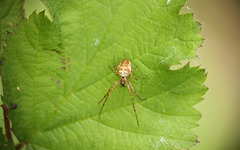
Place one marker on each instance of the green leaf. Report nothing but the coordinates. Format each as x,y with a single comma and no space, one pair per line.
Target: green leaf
4,143
61,69
10,14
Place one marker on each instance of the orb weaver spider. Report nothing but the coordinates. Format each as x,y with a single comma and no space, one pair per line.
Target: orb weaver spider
123,71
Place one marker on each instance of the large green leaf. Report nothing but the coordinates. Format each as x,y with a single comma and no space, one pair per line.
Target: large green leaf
61,69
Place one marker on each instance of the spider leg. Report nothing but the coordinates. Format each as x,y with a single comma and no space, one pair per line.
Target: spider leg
106,95
133,70
103,98
114,71
133,78
132,103
114,63
110,90
103,104
135,92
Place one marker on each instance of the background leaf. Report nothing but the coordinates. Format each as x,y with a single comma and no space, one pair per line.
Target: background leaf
4,143
62,70
10,14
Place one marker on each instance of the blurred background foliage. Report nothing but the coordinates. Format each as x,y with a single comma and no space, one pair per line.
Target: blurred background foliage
220,123
219,126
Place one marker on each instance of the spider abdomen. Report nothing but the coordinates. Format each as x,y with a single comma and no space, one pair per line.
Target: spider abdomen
124,68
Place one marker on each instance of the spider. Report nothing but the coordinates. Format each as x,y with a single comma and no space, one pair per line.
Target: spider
123,71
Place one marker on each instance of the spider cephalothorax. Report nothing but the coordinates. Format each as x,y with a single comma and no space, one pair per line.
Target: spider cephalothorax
124,71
